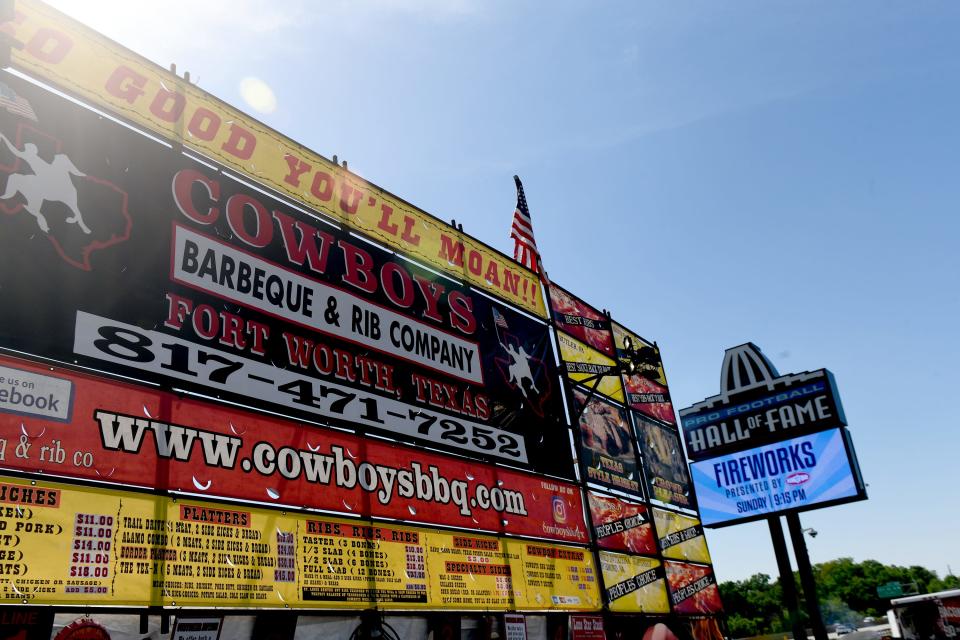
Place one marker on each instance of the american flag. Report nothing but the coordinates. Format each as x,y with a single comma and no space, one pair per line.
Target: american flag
15,104
525,248
499,320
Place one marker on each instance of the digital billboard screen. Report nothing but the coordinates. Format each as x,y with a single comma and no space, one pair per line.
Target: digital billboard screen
791,475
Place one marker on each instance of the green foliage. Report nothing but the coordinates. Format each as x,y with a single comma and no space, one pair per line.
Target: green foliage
740,627
847,591
757,603
949,582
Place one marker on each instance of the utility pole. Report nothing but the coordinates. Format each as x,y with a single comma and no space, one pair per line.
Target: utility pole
806,576
787,585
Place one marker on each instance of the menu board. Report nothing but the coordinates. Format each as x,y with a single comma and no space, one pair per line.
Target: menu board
607,452
693,588
634,584
77,545
490,573
558,577
681,536
619,525
349,563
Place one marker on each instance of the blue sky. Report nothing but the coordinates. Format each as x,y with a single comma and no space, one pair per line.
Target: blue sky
712,173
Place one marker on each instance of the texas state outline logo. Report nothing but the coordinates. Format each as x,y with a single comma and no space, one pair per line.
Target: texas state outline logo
79,213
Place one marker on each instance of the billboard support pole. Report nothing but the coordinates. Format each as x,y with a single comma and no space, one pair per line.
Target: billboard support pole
806,576
787,584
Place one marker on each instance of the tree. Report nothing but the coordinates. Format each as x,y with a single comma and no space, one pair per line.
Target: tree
740,627
847,591
948,582
757,602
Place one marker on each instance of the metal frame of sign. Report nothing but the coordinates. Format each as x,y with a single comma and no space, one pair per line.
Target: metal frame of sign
570,386
861,491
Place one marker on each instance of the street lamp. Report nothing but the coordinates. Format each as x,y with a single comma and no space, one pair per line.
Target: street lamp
810,531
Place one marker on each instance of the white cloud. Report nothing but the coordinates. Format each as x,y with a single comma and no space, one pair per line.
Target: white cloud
186,25
237,37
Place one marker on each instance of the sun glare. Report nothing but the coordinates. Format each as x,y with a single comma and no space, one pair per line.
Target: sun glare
258,95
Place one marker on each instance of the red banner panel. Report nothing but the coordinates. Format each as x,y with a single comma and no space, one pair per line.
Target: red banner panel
80,426
579,319
620,525
693,588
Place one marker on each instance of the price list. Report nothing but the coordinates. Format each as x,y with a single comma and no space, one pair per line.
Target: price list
355,563
92,540
473,572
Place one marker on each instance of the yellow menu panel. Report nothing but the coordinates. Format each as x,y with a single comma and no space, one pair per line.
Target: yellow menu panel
634,584
681,537
66,544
